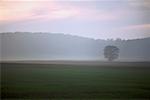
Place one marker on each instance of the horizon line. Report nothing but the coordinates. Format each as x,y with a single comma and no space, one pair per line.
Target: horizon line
112,39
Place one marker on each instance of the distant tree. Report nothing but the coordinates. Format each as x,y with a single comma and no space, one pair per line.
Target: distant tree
118,40
111,52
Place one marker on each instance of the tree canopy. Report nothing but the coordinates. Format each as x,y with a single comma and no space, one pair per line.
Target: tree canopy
111,52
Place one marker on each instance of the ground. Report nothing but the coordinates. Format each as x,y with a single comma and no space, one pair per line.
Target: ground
75,81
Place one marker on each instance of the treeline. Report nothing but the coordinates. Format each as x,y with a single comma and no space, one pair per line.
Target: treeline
27,45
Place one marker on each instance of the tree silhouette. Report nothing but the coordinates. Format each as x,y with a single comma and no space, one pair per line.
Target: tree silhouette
111,52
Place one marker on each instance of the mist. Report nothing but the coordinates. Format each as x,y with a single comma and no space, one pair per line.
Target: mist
50,46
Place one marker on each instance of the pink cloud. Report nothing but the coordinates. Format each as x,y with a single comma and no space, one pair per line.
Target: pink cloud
139,3
14,11
48,10
137,27
134,31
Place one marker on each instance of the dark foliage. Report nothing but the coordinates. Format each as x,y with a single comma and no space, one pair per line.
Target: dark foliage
111,52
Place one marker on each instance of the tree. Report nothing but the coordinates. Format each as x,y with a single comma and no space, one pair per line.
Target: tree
111,52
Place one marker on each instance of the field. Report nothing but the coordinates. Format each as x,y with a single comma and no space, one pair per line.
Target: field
75,81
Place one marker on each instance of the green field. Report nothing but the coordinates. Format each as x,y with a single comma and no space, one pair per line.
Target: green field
56,81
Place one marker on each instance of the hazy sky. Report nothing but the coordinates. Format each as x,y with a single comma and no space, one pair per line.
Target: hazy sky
125,19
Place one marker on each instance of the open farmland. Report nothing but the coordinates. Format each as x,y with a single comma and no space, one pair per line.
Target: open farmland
75,80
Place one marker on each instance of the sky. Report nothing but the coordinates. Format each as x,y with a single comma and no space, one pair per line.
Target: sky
99,19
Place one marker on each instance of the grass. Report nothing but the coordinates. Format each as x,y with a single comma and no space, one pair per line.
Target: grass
52,81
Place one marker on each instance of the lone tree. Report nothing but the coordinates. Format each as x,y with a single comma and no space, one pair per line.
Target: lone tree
111,52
